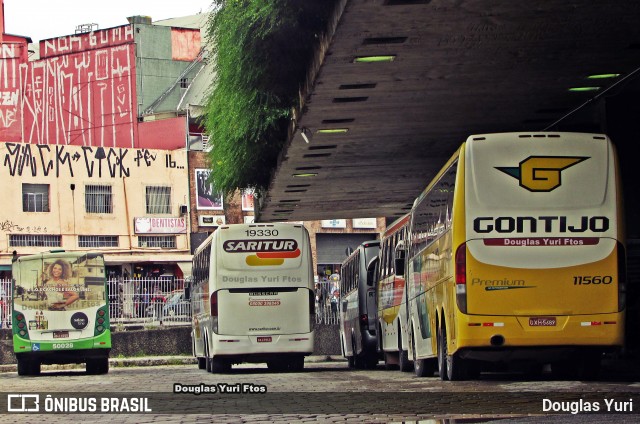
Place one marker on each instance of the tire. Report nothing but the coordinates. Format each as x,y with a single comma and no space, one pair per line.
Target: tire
296,364
351,361
404,363
220,366
28,367
97,366
371,360
359,362
278,365
422,367
442,355
584,367
456,368
202,363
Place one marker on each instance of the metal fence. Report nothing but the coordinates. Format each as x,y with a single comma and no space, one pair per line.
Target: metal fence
148,300
152,301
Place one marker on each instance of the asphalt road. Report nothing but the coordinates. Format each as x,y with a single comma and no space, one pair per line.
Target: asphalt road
326,391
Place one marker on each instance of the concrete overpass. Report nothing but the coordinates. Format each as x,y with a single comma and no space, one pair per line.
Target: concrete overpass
443,70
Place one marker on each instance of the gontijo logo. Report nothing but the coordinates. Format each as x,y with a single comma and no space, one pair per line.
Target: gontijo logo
541,173
267,252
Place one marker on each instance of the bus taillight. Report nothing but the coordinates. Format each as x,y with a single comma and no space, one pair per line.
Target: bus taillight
21,325
461,277
214,304
214,311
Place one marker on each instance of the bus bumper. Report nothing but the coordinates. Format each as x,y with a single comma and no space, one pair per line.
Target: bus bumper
491,337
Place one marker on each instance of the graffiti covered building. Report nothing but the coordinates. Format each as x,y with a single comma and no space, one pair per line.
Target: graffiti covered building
93,145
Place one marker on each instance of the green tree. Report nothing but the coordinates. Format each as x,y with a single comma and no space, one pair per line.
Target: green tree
262,53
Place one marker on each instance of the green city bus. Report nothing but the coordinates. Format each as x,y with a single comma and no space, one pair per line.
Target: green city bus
60,311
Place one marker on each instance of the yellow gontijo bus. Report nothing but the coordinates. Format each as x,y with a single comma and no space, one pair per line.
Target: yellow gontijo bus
252,297
393,341
517,253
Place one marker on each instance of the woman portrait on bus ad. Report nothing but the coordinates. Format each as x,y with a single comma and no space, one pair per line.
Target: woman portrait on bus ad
57,287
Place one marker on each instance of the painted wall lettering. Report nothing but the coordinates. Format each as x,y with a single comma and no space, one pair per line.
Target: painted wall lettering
99,162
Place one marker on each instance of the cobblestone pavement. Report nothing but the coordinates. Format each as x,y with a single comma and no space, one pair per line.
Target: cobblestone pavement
324,392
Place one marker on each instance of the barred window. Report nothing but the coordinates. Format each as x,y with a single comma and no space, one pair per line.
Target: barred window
35,240
98,199
167,242
97,241
158,200
35,197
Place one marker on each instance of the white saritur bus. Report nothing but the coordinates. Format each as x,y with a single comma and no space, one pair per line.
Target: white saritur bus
252,297
516,253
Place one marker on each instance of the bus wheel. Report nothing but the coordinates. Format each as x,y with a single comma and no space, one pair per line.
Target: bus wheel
405,364
442,354
202,363
457,368
296,364
371,361
220,366
351,361
278,365
422,367
28,367
97,366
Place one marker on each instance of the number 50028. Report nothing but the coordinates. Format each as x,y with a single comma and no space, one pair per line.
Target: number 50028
63,346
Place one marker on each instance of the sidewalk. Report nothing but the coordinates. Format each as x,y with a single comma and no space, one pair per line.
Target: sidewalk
152,361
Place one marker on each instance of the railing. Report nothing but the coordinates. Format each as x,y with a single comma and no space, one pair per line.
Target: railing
151,301
326,311
5,304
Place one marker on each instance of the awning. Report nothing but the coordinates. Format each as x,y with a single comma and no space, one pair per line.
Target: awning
185,267
5,267
130,258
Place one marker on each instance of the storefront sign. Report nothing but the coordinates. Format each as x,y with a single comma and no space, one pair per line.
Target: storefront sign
148,225
365,223
334,223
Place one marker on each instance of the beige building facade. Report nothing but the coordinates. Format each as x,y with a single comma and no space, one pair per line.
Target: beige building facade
131,204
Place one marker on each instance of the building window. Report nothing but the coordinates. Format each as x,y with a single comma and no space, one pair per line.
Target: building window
35,240
167,242
158,200
35,197
184,83
97,241
98,199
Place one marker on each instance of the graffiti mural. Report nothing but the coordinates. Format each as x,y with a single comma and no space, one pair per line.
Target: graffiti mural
11,56
84,99
28,160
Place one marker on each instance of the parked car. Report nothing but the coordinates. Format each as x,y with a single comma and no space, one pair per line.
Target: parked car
177,305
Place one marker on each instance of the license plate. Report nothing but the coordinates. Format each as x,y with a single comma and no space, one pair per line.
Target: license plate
264,339
60,334
542,321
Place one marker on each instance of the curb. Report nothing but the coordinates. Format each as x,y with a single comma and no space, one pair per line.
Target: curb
152,361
